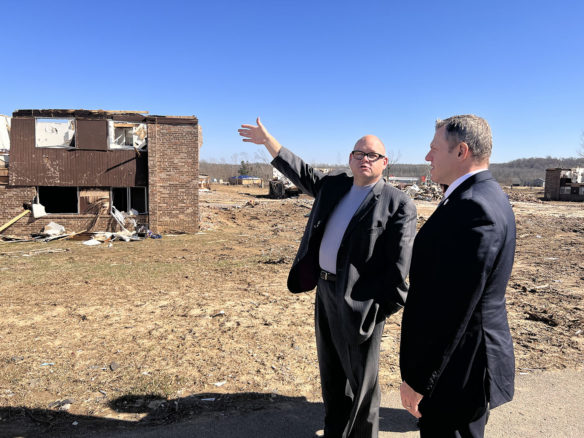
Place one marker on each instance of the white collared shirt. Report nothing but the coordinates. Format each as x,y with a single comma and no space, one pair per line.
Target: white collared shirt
458,181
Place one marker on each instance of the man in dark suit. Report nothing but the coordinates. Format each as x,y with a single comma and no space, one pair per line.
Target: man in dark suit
356,250
456,353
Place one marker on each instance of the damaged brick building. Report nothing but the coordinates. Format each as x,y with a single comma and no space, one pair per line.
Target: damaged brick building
564,184
84,165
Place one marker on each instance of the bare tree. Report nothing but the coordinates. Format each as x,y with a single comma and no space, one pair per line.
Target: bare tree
392,158
262,156
581,151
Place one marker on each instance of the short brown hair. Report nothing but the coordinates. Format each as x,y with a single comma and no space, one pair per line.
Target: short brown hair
470,129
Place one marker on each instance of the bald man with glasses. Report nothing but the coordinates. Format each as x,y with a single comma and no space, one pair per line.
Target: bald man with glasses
356,251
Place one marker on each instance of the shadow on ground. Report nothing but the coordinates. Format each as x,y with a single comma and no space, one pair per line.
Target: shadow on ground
244,415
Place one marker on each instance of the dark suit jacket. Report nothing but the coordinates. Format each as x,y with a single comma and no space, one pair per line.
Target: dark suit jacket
374,256
456,347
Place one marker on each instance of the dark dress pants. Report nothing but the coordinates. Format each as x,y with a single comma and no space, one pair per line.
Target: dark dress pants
436,429
348,373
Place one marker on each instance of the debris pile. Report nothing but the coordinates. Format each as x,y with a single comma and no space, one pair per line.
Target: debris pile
518,196
426,192
281,187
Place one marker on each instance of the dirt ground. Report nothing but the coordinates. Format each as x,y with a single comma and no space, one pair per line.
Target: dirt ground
151,331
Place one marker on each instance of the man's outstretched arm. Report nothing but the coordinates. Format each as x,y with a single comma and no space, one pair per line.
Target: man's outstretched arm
260,135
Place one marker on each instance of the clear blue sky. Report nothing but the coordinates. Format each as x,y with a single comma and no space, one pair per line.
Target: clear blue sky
319,73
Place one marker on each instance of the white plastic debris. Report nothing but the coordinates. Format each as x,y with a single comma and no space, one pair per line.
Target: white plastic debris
53,229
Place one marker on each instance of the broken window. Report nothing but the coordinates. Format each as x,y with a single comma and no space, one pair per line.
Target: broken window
565,190
127,135
131,200
58,199
55,133
4,133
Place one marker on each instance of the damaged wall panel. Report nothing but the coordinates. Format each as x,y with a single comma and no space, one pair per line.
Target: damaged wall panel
30,165
92,135
92,200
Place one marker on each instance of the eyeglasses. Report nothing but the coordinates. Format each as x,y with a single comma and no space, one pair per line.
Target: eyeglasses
371,156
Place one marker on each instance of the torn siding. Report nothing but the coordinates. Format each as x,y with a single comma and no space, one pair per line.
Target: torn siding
89,164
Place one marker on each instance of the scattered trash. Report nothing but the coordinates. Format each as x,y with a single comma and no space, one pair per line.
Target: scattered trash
53,229
114,366
38,210
210,399
153,236
220,383
62,405
412,190
47,364
425,192
75,423
221,313
119,217
92,242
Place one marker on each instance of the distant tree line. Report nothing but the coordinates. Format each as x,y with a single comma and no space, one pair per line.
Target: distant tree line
223,171
523,171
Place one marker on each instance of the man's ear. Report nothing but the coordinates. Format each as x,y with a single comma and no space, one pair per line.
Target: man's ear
463,150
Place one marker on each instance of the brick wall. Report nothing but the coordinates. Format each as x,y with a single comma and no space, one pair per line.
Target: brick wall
11,200
552,184
173,174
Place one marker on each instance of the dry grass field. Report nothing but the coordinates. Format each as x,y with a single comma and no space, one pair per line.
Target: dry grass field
157,330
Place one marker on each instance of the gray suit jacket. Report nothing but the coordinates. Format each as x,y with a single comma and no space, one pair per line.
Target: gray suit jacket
374,256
